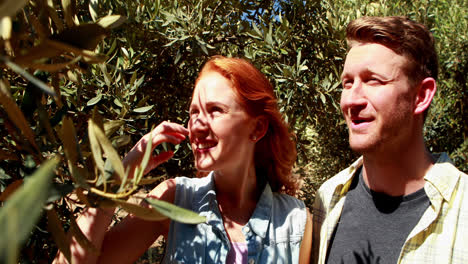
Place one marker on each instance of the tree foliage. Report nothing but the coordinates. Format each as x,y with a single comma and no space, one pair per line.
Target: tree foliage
82,81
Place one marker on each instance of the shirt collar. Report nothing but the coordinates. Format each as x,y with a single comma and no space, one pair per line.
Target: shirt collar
345,177
260,219
206,203
208,206
443,176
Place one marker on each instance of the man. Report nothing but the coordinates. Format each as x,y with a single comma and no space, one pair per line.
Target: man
398,203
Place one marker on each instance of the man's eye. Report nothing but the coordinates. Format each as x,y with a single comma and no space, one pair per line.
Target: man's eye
374,81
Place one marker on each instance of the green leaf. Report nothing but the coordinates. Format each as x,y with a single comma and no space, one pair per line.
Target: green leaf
3,175
139,211
108,172
105,73
68,11
257,30
171,43
118,103
178,56
111,126
71,149
176,213
203,47
138,82
121,141
59,190
298,59
95,148
145,160
94,100
15,114
6,27
54,225
125,52
269,35
92,9
79,175
143,109
22,210
38,83
109,150
322,97
111,21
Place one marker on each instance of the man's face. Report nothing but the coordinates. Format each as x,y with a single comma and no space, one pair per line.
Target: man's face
377,100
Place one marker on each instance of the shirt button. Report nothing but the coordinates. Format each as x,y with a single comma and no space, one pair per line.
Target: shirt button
251,261
246,229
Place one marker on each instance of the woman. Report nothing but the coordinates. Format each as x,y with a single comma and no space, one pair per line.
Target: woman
239,139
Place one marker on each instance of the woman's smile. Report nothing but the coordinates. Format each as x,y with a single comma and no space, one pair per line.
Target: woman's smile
220,129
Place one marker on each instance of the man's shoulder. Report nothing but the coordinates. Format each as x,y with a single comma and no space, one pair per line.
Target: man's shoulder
445,180
341,177
444,167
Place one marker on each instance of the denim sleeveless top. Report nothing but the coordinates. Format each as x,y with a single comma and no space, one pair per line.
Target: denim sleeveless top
273,233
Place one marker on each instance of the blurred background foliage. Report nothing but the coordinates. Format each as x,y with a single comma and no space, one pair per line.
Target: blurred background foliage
129,65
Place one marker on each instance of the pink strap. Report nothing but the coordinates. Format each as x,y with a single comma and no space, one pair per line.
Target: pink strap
238,253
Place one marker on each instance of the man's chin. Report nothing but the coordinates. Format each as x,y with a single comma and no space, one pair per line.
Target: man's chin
362,147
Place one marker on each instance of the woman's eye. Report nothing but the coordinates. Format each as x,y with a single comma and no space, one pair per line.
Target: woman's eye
193,112
216,109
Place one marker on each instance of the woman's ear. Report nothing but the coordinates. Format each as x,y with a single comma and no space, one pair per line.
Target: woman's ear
260,129
425,93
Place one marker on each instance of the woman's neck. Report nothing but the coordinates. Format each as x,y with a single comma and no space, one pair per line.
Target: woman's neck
237,192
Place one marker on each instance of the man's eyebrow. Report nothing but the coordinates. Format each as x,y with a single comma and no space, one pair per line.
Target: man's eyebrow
382,77
366,71
343,75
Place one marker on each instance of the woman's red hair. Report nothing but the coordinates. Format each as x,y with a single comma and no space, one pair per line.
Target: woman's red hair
275,153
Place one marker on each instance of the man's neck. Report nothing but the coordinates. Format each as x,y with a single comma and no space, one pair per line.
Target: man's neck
397,173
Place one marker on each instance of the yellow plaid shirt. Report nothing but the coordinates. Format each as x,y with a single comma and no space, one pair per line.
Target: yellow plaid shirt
440,236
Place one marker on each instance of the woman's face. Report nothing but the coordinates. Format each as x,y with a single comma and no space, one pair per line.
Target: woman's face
220,129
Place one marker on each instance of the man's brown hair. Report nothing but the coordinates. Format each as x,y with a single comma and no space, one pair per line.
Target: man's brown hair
405,37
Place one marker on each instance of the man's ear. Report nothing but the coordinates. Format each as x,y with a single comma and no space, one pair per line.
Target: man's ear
261,127
425,94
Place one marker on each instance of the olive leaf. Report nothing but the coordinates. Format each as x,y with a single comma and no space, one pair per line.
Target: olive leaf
22,210
139,211
176,213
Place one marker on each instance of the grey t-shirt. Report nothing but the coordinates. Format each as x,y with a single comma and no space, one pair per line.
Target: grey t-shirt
374,226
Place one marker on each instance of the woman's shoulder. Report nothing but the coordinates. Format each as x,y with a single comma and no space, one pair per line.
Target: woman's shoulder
191,191
173,189
193,180
288,208
288,201
289,216
194,184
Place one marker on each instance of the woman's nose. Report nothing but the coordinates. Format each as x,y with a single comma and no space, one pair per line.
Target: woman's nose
198,123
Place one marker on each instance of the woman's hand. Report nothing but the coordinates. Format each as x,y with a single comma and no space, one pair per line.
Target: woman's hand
94,222
165,132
